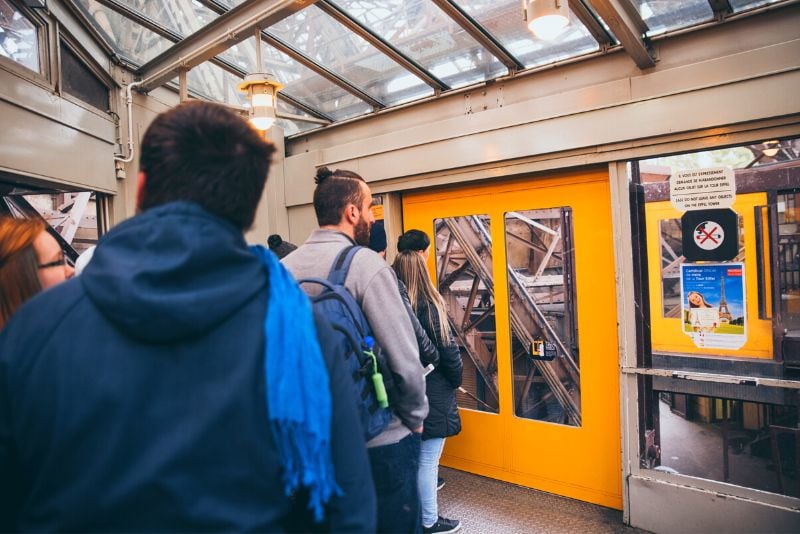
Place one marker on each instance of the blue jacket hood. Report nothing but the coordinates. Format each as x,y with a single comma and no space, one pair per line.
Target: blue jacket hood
171,273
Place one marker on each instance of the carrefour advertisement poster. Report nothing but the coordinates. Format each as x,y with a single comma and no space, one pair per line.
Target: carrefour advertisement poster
713,304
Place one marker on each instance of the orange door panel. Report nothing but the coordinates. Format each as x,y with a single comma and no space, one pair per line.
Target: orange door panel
527,270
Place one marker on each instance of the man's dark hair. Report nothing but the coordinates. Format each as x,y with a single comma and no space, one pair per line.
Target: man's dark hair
335,190
205,153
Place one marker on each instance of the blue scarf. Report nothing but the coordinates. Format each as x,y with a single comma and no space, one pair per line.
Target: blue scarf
298,392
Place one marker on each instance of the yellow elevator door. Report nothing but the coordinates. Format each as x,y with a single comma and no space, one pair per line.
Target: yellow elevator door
527,270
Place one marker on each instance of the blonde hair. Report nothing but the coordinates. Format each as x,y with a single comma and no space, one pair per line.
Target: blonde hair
411,270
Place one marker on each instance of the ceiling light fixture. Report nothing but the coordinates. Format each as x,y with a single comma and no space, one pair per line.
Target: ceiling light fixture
546,18
262,92
261,89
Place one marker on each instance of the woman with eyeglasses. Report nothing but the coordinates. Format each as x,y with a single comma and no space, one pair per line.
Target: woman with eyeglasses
30,261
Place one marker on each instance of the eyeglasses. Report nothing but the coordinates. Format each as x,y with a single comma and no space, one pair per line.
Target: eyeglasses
61,262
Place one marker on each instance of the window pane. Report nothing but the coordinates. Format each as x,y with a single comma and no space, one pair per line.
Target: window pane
215,83
311,88
463,248
131,40
79,81
183,18
329,43
749,441
544,333
665,15
19,37
503,19
789,261
741,5
426,34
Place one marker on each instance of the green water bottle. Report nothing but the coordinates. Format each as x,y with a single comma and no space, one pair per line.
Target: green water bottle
377,378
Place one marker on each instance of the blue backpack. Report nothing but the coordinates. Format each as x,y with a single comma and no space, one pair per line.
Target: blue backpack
364,358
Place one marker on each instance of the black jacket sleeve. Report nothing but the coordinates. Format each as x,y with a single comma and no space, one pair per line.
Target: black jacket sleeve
428,354
356,509
450,365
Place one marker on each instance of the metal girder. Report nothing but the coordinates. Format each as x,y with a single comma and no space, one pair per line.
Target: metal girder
382,45
626,23
479,33
305,107
590,22
331,76
720,8
220,34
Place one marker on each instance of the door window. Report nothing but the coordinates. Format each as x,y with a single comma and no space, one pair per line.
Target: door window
463,247
541,308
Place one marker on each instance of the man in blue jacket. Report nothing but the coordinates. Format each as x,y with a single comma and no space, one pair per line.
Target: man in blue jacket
177,384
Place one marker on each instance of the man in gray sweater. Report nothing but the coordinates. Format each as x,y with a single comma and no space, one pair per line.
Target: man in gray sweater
342,201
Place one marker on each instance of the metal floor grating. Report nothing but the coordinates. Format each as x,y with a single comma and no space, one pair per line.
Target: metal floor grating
486,506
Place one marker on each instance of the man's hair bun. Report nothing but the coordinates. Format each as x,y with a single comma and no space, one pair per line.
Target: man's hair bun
323,173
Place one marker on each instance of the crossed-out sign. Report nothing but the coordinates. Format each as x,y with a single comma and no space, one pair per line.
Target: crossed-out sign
709,235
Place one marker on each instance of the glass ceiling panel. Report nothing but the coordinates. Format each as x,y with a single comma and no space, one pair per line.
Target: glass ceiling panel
426,34
665,15
312,89
741,5
217,84
503,19
329,43
181,16
300,82
131,40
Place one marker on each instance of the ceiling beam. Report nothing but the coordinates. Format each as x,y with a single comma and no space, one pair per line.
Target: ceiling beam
382,45
590,22
626,23
220,34
479,33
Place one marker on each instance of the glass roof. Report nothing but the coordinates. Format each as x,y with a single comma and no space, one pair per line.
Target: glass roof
427,35
665,15
503,19
332,70
329,43
741,5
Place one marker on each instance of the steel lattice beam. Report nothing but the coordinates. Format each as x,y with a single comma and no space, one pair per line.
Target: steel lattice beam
229,29
626,23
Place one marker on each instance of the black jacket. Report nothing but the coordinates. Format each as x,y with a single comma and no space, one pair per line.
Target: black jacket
443,419
428,354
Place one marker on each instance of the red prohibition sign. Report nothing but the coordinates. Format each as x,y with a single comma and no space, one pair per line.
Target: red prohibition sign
709,239
708,235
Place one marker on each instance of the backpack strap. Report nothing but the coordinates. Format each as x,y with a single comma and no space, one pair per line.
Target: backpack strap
341,264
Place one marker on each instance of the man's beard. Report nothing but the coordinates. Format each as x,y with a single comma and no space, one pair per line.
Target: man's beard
361,232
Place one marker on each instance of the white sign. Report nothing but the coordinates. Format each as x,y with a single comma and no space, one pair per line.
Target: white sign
703,189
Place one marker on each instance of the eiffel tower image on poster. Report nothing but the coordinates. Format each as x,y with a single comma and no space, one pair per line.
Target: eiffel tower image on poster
724,314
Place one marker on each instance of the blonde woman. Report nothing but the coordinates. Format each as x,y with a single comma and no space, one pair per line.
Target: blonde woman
443,419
